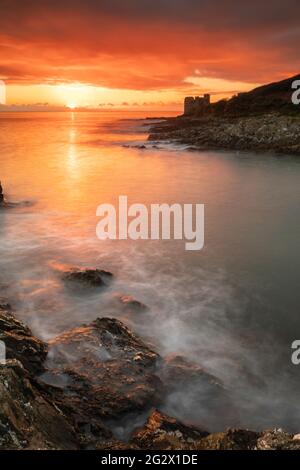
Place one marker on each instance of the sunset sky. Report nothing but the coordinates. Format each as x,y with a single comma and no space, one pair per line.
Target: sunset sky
143,53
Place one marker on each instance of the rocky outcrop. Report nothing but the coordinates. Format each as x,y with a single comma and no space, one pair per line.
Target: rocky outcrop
263,133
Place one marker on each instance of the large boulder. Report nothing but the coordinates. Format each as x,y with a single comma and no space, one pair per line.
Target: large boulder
104,371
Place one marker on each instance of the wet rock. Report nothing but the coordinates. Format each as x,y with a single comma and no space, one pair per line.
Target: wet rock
91,432
116,445
232,439
139,146
88,277
277,439
108,370
241,439
164,432
20,343
27,420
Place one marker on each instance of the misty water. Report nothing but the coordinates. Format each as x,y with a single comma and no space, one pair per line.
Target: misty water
232,308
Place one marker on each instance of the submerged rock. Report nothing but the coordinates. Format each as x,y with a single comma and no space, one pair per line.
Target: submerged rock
20,343
4,305
3,203
140,147
177,369
27,420
108,370
193,392
163,432
88,277
131,305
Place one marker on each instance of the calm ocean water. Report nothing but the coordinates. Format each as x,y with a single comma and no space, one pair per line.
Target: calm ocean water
232,308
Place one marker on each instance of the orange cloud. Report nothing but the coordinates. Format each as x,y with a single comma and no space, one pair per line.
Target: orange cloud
143,45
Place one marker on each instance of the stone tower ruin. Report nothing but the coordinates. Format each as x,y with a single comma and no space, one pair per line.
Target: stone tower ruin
196,105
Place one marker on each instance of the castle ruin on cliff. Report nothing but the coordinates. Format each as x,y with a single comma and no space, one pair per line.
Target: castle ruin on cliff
196,105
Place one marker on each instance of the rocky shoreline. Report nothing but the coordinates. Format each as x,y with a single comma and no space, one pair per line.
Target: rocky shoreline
270,132
76,391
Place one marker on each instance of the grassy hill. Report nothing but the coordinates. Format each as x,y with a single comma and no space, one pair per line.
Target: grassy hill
274,97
